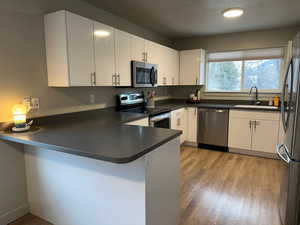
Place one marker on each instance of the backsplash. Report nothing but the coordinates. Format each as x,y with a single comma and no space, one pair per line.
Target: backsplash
79,98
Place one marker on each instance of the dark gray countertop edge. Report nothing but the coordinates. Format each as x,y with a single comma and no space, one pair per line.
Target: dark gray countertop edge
219,107
89,155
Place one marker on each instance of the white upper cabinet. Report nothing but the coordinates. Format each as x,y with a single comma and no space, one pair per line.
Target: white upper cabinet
82,52
104,45
153,52
138,52
69,49
174,67
168,72
123,58
192,67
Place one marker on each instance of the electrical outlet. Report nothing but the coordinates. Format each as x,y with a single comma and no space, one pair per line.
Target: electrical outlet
92,98
35,103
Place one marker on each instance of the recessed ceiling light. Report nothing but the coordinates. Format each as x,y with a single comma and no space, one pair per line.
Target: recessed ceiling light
101,33
232,13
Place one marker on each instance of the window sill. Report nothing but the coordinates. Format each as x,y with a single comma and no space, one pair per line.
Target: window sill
243,95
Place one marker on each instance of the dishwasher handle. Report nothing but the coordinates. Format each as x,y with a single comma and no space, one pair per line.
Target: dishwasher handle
213,110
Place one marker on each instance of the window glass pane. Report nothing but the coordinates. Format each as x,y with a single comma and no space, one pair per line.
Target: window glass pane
265,74
224,76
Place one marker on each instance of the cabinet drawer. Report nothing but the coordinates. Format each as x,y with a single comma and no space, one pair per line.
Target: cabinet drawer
255,115
177,112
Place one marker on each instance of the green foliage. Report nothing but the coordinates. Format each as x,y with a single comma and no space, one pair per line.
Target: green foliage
225,76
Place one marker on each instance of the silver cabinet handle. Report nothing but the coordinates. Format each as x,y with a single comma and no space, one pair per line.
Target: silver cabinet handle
118,79
196,81
250,124
283,154
93,79
178,122
114,79
219,111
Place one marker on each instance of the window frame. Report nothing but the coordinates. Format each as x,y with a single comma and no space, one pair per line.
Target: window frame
243,91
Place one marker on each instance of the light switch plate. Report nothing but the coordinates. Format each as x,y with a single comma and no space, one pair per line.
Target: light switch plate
35,103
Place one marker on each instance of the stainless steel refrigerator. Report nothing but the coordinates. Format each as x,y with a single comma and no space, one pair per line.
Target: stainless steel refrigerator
289,151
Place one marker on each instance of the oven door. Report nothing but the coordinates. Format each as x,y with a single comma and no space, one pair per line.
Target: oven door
144,74
161,121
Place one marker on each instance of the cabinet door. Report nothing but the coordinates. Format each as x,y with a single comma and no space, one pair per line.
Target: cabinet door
192,67
80,49
138,48
265,136
239,135
153,52
104,54
123,57
192,125
178,122
174,67
161,52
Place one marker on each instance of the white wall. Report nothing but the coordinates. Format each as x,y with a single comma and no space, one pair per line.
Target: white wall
23,61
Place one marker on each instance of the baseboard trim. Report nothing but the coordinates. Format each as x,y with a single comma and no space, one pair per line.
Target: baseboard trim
14,214
191,144
253,153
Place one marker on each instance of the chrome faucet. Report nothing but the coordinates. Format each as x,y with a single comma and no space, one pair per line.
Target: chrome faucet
257,102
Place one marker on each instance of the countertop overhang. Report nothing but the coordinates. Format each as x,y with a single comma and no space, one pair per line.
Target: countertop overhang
98,134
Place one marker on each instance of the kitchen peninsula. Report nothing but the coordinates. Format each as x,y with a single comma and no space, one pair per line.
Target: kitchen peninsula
92,168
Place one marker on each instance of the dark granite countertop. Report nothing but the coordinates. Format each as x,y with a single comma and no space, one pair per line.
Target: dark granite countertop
98,134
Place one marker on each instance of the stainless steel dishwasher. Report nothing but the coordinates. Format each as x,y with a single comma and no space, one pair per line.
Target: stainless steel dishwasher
213,128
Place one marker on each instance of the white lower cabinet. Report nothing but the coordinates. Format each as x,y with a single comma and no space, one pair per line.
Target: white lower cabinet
178,122
191,125
253,130
239,133
265,136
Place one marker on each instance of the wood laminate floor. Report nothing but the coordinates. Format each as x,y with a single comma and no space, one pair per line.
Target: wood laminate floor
222,189
229,189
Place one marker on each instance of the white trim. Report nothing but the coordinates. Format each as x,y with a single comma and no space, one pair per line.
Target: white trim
251,54
14,214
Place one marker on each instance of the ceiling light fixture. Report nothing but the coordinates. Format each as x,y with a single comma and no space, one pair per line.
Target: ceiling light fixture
233,12
101,33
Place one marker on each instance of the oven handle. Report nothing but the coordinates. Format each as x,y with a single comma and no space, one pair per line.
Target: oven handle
160,117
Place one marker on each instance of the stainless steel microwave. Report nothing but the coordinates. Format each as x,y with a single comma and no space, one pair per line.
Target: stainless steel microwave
143,74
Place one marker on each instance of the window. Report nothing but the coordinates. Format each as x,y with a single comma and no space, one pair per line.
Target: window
239,71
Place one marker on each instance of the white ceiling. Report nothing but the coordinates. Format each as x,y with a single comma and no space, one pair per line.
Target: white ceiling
187,18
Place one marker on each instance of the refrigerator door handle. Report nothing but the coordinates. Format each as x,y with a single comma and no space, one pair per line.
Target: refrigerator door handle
283,154
284,87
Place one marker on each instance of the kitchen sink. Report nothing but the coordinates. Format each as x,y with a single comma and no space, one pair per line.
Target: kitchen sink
256,106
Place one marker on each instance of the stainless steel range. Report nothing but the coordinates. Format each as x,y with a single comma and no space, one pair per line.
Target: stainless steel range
136,103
